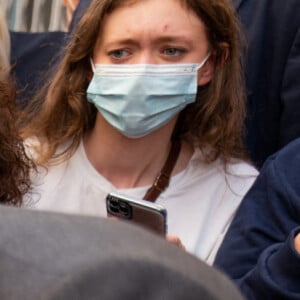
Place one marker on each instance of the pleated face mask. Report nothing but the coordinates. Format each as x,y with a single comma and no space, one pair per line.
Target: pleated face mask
137,99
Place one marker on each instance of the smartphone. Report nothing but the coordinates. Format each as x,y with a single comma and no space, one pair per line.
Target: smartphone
145,213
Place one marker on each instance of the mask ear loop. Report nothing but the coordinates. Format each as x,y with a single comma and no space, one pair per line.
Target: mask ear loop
203,61
92,65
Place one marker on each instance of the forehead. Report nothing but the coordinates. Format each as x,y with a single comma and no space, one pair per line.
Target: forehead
164,16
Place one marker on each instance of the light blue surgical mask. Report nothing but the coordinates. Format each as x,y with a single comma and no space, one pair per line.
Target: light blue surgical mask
137,99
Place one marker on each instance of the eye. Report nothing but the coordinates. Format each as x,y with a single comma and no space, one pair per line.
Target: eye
119,54
172,51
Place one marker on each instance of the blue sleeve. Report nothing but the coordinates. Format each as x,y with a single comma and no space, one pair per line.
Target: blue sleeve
276,274
257,252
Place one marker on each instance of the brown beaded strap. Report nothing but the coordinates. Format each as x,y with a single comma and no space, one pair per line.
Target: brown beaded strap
162,180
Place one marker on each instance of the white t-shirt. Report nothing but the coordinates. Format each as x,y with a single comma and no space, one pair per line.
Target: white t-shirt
200,201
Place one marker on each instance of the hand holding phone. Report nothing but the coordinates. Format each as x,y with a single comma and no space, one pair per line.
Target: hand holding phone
148,214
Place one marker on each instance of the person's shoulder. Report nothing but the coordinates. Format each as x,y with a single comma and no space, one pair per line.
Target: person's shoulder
293,148
285,163
239,167
240,175
235,167
237,172
288,155
30,145
33,146
48,177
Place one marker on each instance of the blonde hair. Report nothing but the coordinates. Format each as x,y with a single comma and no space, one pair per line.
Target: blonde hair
62,113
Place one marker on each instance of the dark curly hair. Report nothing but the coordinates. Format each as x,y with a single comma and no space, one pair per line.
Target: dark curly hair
14,163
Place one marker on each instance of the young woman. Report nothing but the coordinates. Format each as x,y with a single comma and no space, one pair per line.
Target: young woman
144,83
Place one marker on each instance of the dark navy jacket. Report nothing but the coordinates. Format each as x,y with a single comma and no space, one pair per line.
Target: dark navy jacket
33,57
272,73
258,250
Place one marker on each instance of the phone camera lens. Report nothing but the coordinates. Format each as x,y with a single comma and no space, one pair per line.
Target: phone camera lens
124,209
114,203
113,209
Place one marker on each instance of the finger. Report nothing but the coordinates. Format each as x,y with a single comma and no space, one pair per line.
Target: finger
175,240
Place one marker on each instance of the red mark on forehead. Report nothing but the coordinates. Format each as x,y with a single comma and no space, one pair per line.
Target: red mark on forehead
165,28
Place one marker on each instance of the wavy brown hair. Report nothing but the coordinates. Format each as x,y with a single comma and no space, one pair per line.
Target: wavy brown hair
61,113
14,164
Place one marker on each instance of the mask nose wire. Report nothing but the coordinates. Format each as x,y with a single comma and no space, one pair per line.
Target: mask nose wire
198,67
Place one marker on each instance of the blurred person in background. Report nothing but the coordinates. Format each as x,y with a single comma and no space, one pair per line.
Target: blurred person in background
4,47
272,68
261,250
70,6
